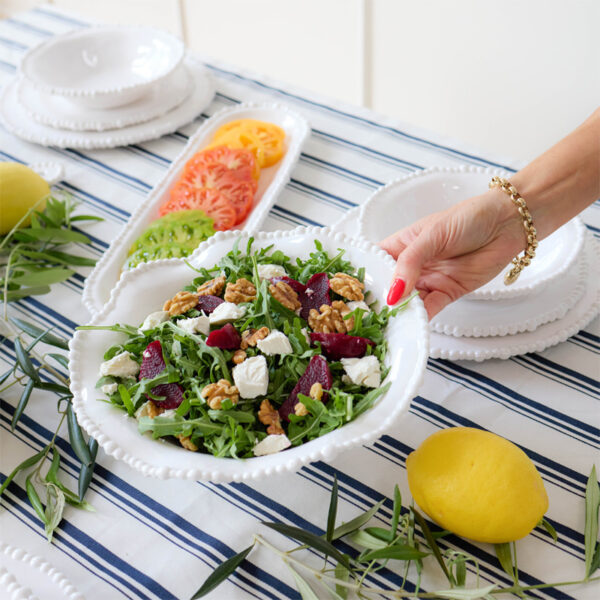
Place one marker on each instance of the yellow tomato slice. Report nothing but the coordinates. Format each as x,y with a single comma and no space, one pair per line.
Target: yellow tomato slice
265,140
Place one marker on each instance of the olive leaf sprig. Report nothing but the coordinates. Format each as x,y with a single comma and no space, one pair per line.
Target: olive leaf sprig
399,542
29,264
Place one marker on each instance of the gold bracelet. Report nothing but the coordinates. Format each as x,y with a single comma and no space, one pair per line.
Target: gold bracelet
519,262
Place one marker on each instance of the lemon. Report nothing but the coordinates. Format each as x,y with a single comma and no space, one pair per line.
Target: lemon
20,189
477,485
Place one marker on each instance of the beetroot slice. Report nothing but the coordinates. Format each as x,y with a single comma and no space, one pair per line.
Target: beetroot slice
226,338
208,303
315,295
152,365
295,285
316,371
339,345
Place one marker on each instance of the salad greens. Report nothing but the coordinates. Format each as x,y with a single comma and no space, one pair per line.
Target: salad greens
234,429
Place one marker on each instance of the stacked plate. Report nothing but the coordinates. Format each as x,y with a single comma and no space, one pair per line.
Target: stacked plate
104,86
556,296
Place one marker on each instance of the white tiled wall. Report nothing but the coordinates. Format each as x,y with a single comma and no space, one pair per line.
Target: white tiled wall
508,76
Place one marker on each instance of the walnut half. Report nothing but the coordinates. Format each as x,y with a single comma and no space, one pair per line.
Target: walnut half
347,286
267,415
216,393
284,294
240,291
330,319
212,287
181,303
250,337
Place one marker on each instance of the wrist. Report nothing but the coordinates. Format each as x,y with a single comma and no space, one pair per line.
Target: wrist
509,223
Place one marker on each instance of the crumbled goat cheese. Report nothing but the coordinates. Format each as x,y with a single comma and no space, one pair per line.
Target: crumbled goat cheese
358,304
275,343
270,271
109,388
154,319
272,444
252,377
121,365
226,312
199,324
363,371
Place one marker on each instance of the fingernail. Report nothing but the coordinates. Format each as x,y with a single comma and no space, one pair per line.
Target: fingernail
396,291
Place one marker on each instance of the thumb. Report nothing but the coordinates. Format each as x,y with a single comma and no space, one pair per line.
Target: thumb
408,267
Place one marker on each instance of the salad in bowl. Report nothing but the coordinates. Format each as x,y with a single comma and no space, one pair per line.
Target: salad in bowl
256,354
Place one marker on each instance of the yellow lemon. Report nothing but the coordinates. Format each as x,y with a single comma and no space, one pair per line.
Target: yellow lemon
477,485
20,189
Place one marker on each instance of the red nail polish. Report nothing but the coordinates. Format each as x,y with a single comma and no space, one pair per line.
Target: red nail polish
396,291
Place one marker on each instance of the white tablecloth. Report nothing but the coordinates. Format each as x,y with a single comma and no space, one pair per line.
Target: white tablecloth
160,539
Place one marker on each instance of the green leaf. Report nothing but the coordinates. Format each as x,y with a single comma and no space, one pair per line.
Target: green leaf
221,573
54,387
65,258
50,234
380,533
432,544
126,399
397,552
595,560
505,558
61,359
6,375
367,540
465,594
592,504
357,522
24,361
34,331
397,509
76,437
28,462
45,276
341,573
55,506
87,471
34,499
52,473
86,218
40,290
548,527
331,514
310,539
22,403
306,592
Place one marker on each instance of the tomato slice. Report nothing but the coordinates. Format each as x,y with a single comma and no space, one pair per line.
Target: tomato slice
265,140
239,161
209,200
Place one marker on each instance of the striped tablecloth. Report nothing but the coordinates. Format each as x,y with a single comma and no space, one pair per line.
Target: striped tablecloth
160,539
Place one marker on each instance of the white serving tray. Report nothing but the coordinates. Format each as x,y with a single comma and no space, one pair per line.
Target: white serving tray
151,283
107,272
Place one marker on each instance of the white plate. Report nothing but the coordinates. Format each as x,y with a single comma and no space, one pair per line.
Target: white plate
17,121
550,334
59,112
406,200
24,576
52,172
151,283
103,66
272,180
476,318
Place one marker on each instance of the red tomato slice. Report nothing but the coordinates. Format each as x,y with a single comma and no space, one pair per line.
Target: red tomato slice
214,175
240,161
211,201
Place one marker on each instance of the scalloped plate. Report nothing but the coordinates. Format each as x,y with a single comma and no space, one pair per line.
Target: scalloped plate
61,113
549,334
24,576
431,190
473,318
18,122
272,180
151,283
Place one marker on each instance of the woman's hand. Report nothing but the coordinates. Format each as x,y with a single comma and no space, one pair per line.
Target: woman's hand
451,253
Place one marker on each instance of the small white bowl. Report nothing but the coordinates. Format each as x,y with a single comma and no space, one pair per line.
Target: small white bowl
104,66
404,201
143,290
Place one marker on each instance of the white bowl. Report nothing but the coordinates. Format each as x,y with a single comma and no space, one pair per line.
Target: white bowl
104,66
151,283
408,199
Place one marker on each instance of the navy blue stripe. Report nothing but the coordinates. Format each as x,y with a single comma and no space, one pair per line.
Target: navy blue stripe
28,27
487,387
295,217
338,169
154,507
319,193
12,44
68,529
